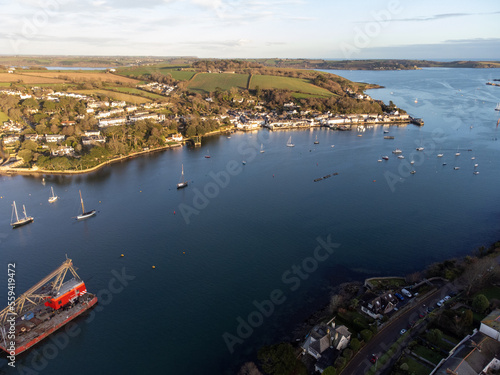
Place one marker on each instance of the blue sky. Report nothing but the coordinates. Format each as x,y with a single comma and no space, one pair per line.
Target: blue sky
253,28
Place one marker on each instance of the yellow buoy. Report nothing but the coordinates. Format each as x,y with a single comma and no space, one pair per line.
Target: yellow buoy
154,267
122,255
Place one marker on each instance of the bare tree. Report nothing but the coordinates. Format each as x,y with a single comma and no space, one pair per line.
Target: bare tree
249,368
479,274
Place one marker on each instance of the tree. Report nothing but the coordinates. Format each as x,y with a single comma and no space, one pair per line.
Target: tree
434,336
280,359
366,334
26,155
330,370
480,303
340,363
355,344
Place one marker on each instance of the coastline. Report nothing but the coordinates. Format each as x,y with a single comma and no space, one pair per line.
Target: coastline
37,171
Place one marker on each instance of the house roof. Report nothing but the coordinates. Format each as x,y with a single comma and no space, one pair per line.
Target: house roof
322,344
493,320
343,331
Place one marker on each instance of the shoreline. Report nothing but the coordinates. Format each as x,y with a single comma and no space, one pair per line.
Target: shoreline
36,171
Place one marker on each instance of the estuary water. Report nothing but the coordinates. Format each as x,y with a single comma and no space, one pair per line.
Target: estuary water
253,245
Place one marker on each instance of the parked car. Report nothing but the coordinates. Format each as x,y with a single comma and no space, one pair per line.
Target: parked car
430,309
446,298
403,331
440,303
373,358
399,296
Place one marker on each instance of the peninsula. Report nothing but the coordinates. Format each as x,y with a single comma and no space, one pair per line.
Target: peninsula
75,121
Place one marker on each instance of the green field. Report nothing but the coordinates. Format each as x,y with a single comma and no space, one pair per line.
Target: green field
205,83
173,70
146,94
286,83
3,117
4,84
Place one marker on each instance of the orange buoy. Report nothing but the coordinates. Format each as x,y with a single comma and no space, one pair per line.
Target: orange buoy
153,267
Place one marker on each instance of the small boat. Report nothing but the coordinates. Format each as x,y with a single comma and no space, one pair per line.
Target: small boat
475,172
385,157
476,165
360,135
440,155
244,162
386,131
53,197
183,183
444,163
413,172
22,221
388,137
412,162
379,160
397,151
456,168
420,149
85,214
497,108
457,153
316,142
289,143
473,158
207,156
401,157
262,148
333,146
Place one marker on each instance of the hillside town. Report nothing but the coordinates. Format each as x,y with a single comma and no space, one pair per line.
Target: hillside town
67,124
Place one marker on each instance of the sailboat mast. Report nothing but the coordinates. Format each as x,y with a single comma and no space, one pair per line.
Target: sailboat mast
15,210
24,211
81,199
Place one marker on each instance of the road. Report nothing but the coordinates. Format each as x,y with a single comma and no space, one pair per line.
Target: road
383,340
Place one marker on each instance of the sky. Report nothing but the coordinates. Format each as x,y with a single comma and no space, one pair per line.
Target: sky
327,29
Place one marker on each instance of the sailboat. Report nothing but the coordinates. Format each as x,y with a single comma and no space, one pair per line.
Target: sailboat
19,222
183,183
53,197
262,148
497,108
207,155
84,214
316,142
289,143
458,152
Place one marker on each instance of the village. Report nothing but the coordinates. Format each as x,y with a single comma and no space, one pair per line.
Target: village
90,125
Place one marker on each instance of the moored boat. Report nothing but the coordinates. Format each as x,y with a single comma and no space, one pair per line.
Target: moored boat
22,221
183,183
53,197
85,214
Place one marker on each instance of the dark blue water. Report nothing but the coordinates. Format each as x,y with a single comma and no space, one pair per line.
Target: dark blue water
239,234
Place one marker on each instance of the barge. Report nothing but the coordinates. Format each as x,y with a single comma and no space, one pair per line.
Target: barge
43,309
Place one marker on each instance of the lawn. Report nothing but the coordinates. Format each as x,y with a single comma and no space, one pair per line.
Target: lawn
116,95
287,83
491,292
205,83
417,368
427,353
3,117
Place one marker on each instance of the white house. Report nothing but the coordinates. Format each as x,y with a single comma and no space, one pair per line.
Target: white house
490,325
54,137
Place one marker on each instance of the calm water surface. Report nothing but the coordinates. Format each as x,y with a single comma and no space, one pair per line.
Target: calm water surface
238,232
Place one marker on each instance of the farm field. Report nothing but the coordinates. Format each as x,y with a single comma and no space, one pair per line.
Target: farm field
173,70
146,94
286,83
3,117
116,95
28,79
204,83
80,76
